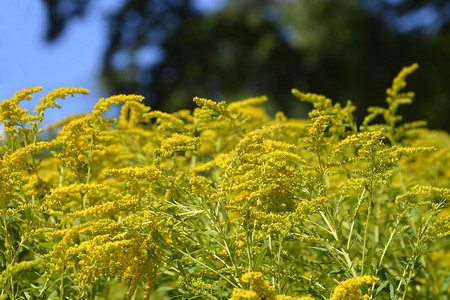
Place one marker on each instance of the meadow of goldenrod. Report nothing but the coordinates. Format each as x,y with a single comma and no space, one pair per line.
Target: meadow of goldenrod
223,202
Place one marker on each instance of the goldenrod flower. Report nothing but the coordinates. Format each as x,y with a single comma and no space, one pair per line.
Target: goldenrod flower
11,114
105,103
49,100
349,289
204,196
15,268
132,113
166,122
260,289
177,142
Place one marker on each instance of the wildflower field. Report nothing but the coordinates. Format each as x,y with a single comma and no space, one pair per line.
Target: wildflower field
223,202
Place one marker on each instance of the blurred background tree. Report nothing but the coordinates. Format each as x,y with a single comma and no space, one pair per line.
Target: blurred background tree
170,51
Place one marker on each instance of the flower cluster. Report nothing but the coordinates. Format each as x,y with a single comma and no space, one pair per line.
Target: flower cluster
260,289
349,289
223,202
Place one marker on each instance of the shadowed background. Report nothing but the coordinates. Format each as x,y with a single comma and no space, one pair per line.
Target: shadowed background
172,50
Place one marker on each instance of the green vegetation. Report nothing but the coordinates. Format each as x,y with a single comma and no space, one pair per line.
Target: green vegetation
223,202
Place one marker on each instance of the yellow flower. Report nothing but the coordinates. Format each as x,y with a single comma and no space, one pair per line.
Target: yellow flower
131,114
260,289
166,122
213,107
11,114
105,103
15,268
114,205
283,297
236,106
239,294
398,83
177,142
349,289
49,100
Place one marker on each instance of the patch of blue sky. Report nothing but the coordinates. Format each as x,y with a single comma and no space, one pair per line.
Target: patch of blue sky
73,60
426,18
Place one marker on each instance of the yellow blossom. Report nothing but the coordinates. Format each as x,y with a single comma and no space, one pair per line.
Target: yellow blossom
349,289
166,122
131,114
204,196
11,114
49,100
235,106
15,268
177,142
213,107
260,289
105,103
399,81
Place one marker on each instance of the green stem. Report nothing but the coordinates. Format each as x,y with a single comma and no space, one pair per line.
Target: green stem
61,286
344,252
13,296
354,217
369,212
207,267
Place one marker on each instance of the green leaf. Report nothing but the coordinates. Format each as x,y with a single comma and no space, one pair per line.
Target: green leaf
445,287
47,245
392,292
164,288
211,232
337,271
389,277
391,286
381,287
259,258
320,249
368,262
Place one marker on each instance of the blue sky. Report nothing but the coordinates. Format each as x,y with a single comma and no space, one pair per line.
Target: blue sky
26,60
73,60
